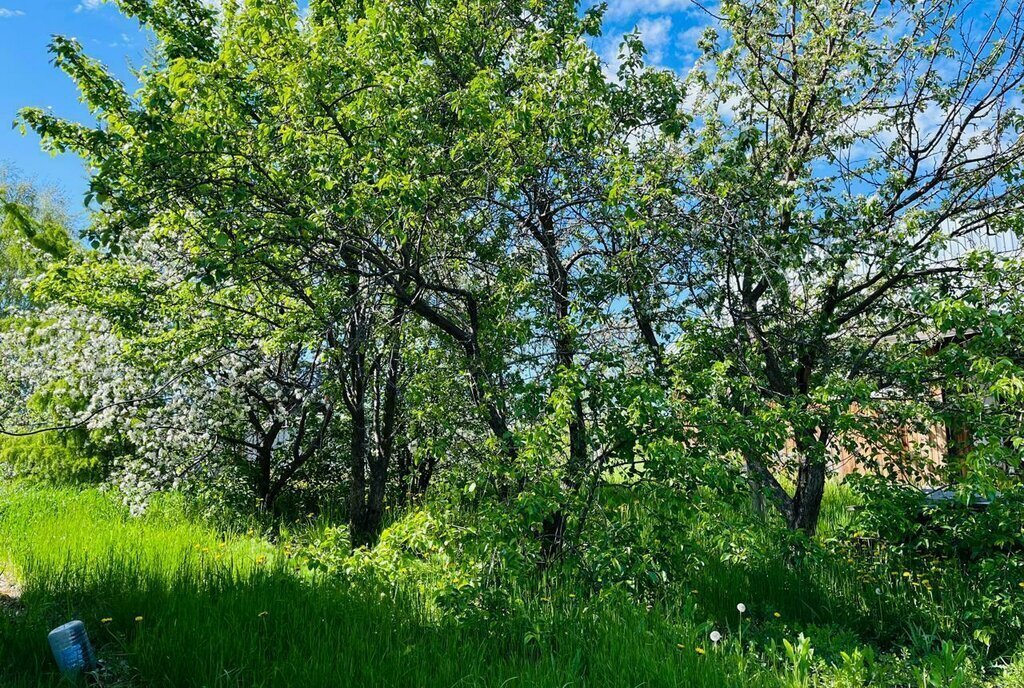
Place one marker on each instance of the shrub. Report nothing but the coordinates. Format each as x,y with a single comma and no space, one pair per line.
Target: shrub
51,457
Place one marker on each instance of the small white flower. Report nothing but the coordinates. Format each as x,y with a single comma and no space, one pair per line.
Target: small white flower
715,636
878,591
741,607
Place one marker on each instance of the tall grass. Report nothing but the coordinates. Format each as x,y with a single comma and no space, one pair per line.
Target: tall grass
169,601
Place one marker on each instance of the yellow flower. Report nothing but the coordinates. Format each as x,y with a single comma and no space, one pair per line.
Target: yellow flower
106,620
699,650
1021,584
138,618
776,615
680,646
906,574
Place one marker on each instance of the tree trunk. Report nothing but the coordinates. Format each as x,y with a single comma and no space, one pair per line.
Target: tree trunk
357,507
361,524
554,525
565,346
810,484
265,462
757,501
380,460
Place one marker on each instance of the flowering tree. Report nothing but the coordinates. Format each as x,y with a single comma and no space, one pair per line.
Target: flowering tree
386,229
358,167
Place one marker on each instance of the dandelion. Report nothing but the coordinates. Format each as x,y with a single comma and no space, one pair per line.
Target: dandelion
680,646
1021,584
715,636
777,615
106,620
906,574
741,607
699,650
138,618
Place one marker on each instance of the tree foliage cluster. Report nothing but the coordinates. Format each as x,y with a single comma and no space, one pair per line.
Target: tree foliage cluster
375,250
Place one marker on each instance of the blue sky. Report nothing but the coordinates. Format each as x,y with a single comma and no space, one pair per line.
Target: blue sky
28,78
670,29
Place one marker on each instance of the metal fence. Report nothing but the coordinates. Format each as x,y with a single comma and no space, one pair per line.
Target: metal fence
1004,244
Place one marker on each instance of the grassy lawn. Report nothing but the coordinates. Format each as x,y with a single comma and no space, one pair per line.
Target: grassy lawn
171,602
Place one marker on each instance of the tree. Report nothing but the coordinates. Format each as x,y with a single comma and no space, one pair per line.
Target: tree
33,231
372,163
979,363
34,228
844,150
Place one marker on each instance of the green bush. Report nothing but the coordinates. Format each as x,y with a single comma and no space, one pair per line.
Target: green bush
58,458
965,565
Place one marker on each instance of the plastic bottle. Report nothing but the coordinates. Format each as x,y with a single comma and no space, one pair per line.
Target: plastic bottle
71,648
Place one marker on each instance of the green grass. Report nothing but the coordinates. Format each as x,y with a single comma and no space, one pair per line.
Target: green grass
169,601
211,615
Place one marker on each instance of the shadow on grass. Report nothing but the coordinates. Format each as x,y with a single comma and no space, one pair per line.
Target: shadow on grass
211,625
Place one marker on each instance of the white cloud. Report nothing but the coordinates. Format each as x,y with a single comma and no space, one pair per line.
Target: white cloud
7,14
688,38
89,5
655,34
624,10
620,9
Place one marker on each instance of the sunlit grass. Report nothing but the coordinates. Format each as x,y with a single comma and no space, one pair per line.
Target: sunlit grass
169,601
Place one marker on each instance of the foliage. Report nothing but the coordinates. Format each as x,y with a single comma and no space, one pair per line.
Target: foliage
505,355
58,458
974,551
341,248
